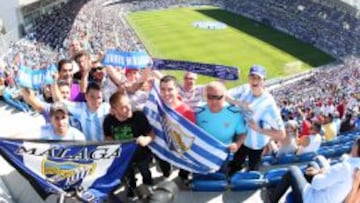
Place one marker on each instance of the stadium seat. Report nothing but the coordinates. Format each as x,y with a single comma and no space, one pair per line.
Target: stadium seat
289,198
209,185
210,176
274,176
326,152
340,150
252,180
268,159
306,157
286,159
346,148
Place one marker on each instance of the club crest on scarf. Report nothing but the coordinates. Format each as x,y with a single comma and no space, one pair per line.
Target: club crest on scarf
66,174
176,138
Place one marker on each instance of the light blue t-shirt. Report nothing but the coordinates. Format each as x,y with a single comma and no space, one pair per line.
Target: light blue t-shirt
223,125
48,133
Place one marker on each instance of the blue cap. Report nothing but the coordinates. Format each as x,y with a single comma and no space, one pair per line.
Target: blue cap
257,70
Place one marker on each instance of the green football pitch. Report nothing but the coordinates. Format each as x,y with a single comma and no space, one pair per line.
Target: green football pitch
170,34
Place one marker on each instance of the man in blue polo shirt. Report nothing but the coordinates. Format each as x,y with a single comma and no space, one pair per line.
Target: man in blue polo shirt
263,118
220,119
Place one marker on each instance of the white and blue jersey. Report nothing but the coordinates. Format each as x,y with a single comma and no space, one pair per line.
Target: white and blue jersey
48,133
265,114
91,122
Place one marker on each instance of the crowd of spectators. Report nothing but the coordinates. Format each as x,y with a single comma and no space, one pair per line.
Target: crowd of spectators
327,27
329,97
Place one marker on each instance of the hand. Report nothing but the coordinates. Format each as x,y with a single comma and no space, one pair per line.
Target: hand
109,69
55,76
233,147
100,55
311,171
145,74
246,106
356,181
254,126
143,140
87,67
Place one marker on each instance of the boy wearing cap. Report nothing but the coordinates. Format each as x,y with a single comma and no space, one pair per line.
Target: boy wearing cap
59,128
264,121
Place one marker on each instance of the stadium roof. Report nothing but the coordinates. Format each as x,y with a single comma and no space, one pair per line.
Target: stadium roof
27,2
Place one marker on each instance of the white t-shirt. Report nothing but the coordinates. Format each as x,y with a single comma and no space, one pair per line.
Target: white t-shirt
314,144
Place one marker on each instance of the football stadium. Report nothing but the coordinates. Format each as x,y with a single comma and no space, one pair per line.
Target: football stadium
173,101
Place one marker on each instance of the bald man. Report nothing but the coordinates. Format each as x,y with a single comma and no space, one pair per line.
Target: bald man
220,119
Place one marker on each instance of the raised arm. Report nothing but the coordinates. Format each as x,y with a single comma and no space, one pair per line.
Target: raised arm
31,99
55,91
85,78
354,195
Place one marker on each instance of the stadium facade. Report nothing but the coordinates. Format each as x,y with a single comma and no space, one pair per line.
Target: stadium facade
17,17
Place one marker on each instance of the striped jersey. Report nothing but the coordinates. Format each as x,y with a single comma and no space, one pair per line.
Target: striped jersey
91,122
264,112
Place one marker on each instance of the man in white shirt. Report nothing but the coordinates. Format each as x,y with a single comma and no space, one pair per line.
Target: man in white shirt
312,142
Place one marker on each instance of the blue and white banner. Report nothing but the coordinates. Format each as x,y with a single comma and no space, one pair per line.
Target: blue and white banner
35,78
212,70
24,76
126,59
179,141
59,167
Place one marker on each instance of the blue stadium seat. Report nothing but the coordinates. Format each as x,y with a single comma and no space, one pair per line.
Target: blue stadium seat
289,198
343,139
252,180
268,158
346,148
210,176
274,176
209,185
340,150
306,157
330,143
286,159
326,152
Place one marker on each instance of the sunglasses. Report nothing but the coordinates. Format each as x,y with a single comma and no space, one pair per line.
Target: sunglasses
214,97
98,68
